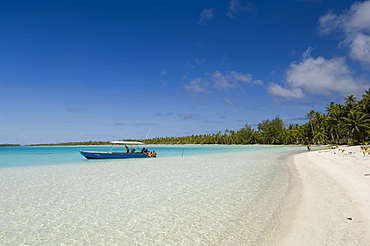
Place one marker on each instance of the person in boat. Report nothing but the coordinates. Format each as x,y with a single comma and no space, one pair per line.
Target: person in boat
127,150
133,150
151,154
144,150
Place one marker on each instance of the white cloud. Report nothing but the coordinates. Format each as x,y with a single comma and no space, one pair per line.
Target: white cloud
355,25
277,90
185,116
229,102
205,15
360,48
235,77
220,81
357,19
354,20
232,80
247,78
197,86
328,23
319,76
235,6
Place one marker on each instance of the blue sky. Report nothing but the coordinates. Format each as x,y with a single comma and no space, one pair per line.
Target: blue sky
109,70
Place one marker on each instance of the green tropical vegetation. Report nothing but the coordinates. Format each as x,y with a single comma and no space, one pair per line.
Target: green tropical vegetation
340,124
74,143
9,145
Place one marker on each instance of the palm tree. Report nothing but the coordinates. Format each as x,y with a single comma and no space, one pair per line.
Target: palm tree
317,121
335,114
319,135
357,125
246,134
298,133
365,102
351,99
311,116
351,102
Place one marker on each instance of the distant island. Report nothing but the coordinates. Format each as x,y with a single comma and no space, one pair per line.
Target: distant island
341,124
73,143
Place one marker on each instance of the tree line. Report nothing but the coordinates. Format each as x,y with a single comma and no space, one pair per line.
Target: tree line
340,124
73,143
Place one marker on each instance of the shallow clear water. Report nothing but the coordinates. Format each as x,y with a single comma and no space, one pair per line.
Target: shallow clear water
32,156
188,195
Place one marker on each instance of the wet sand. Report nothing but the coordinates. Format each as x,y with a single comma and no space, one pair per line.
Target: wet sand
329,199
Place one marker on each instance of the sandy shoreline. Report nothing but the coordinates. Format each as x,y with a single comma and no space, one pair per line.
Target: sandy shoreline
329,199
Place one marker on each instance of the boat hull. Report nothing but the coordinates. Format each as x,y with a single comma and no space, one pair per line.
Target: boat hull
111,155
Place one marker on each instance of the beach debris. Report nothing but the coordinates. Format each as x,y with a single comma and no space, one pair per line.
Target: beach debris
342,150
349,218
365,149
367,174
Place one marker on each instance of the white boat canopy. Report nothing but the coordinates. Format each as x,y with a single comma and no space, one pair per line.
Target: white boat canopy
126,143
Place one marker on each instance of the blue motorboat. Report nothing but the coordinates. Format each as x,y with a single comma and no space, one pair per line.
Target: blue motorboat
131,152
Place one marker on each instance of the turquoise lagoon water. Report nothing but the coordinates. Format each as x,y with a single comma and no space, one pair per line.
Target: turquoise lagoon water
188,195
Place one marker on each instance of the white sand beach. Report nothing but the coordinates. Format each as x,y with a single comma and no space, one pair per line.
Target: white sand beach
330,199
